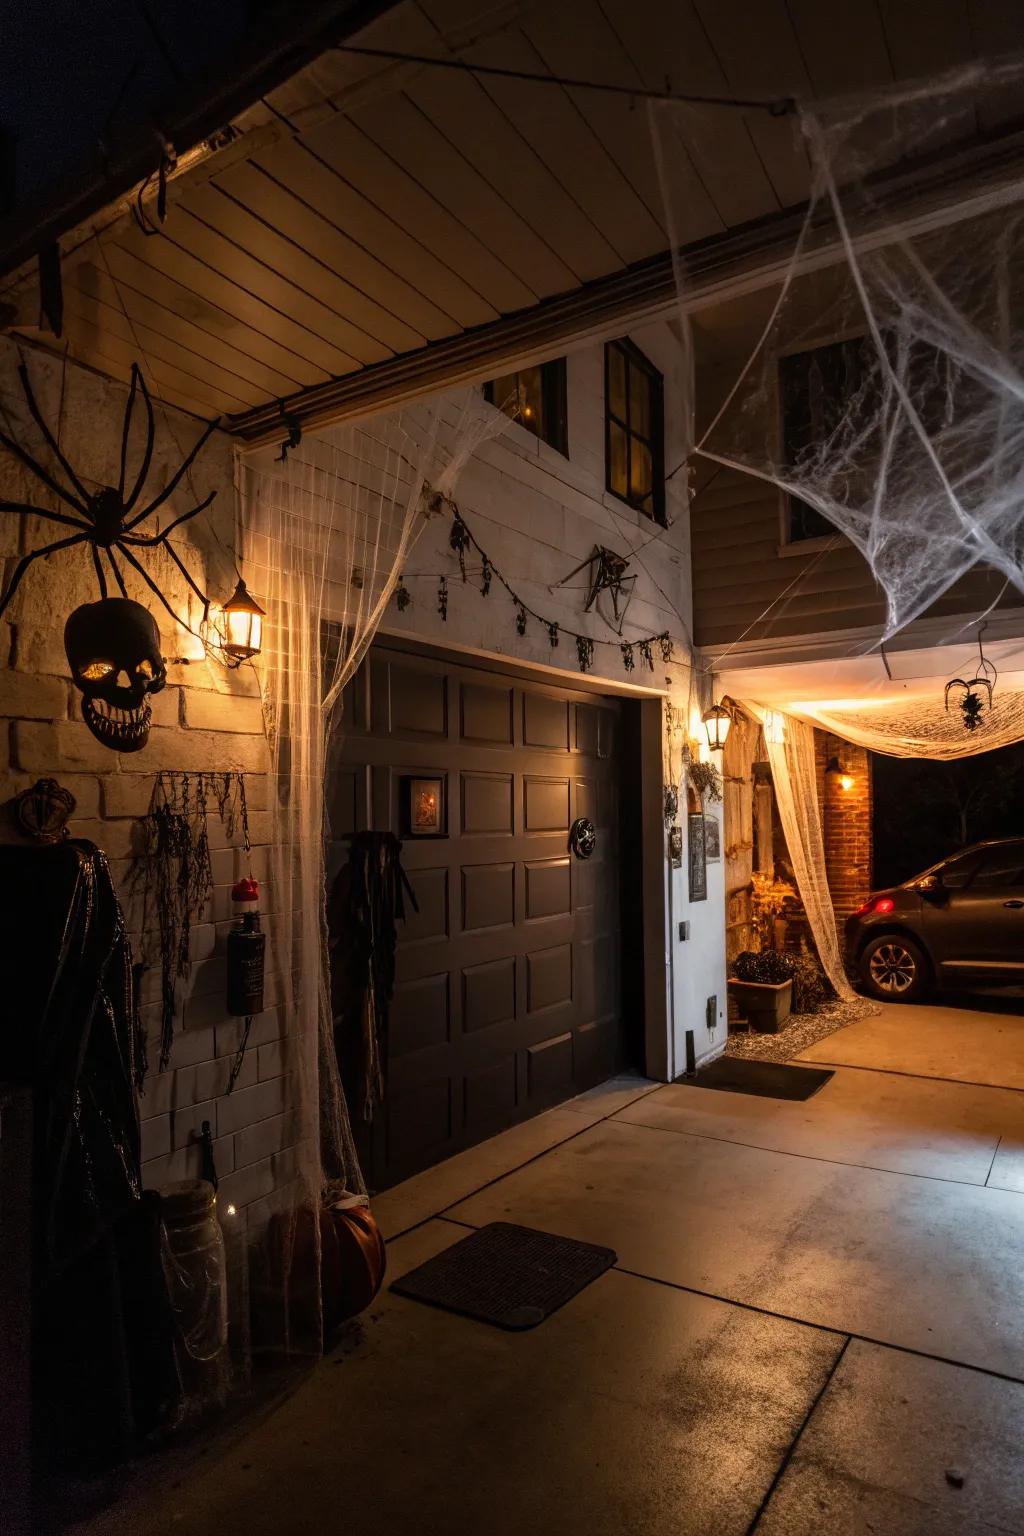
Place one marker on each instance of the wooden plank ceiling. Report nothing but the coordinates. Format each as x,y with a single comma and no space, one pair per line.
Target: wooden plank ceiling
369,210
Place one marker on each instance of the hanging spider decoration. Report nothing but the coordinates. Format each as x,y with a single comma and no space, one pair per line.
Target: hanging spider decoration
972,703
106,519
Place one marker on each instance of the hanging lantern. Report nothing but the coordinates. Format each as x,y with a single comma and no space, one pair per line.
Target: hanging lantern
243,625
835,771
717,720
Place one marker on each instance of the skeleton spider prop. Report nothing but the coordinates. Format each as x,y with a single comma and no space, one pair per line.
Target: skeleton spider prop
106,519
113,646
971,703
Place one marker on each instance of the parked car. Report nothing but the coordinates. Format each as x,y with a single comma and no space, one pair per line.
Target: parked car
962,920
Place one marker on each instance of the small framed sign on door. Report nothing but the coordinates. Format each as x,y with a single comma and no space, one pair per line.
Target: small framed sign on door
425,809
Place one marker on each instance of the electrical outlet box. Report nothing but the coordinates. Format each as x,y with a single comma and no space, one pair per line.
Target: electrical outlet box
684,931
711,1012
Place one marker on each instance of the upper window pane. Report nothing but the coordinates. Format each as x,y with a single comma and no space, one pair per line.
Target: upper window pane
617,383
535,398
634,410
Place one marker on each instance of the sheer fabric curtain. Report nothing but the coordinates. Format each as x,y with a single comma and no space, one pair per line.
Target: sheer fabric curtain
324,536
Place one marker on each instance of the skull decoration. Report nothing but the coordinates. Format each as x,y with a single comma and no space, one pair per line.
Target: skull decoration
113,648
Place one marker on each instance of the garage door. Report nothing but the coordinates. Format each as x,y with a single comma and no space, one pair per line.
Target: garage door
508,994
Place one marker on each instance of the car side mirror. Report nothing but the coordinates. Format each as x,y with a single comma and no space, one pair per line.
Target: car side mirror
929,884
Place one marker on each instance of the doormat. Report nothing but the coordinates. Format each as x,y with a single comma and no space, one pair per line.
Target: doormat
513,1277
765,1079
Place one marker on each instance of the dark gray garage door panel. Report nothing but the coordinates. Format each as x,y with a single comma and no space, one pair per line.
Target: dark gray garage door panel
508,983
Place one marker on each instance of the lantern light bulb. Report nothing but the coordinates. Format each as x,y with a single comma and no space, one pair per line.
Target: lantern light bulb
835,770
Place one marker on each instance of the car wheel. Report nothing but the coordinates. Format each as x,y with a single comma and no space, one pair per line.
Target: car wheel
894,969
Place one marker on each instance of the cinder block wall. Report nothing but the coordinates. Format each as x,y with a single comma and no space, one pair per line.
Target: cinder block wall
846,822
207,718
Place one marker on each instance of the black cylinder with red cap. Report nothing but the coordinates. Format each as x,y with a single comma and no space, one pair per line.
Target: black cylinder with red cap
246,951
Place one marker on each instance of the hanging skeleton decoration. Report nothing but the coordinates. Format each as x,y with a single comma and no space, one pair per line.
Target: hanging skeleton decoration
973,702
105,519
113,649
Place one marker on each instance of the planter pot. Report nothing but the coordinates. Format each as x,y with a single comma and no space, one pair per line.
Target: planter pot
764,1004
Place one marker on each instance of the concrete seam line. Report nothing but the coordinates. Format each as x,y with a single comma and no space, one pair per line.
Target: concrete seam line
784,1463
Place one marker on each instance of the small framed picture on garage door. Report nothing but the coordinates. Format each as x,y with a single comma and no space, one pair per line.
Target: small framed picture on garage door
425,808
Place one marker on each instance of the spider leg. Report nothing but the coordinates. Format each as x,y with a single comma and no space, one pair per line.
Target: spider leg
37,417
42,474
185,465
125,429
183,568
54,517
147,457
99,571
26,561
117,574
151,584
156,538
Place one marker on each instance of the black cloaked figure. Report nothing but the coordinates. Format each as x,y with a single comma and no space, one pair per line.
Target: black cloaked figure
102,1366
365,902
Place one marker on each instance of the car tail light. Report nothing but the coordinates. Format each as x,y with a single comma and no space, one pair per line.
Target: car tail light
875,904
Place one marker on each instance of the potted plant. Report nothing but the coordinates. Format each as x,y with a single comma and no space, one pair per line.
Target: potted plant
762,987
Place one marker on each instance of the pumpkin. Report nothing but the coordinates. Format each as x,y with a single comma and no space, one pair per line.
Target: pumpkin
295,1307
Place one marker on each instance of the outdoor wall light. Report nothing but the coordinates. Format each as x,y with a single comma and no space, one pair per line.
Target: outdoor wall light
834,769
717,720
242,626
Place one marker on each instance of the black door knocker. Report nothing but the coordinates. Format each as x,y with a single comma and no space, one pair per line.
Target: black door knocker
583,837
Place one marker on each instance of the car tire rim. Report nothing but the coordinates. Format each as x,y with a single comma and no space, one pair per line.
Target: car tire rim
892,968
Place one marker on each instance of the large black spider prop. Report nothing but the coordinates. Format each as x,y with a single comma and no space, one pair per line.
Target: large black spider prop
106,519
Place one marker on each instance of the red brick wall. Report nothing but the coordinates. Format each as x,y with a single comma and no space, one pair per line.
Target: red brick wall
846,822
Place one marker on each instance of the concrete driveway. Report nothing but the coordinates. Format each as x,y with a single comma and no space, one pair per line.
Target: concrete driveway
816,1323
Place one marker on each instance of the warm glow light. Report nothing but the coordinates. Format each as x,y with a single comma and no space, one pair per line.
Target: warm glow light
834,769
242,619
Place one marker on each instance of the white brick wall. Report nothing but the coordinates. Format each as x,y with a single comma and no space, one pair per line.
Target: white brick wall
207,718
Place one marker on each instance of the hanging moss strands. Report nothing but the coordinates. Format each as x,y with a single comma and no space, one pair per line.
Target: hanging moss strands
462,541
173,874
459,541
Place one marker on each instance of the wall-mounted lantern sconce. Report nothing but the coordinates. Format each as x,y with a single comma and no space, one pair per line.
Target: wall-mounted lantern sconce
835,770
717,720
242,632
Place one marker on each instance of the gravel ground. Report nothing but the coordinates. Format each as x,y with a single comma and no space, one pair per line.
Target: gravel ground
799,1031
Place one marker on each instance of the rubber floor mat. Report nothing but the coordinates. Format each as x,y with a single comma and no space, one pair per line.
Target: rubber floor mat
766,1079
513,1277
